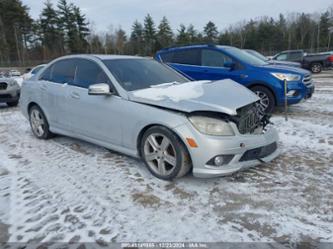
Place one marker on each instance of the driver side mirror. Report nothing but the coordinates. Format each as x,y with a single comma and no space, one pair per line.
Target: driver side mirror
100,89
229,64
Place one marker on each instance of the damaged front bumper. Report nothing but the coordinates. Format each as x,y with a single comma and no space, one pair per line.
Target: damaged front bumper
237,152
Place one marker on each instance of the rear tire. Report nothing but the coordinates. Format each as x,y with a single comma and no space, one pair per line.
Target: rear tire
267,100
316,68
39,123
12,104
164,154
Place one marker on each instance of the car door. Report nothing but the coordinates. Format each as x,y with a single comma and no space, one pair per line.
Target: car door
187,62
295,56
281,57
213,65
94,117
53,84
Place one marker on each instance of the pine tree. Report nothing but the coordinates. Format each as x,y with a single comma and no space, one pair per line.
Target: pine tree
164,34
51,36
324,32
120,41
149,35
182,37
210,32
15,28
82,29
192,34
137,39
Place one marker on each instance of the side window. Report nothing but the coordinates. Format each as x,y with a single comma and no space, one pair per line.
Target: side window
166,57
188,57
63,71
47,74
36,70
294,56
282,57
212,58
89,73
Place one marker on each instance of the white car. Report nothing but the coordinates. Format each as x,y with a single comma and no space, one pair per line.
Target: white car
14,73
33,71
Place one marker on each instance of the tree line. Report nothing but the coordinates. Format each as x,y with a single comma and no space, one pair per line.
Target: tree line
63,29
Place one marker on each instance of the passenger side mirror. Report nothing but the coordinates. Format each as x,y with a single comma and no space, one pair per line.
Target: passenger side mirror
229,64
100,89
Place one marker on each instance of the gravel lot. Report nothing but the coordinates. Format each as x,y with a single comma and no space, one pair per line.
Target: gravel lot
68,190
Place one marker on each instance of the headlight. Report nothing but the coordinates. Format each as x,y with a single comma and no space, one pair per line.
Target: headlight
287,76
211,126
12,83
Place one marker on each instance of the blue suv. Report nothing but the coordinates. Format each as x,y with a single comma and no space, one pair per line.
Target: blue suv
210,62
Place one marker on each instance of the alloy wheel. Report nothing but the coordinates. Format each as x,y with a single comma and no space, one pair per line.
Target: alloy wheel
37,122
316,68
160,154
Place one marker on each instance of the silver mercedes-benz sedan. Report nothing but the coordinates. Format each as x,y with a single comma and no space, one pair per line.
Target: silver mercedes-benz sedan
142,108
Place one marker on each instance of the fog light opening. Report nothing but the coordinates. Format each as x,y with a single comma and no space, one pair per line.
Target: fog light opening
218,161
291,93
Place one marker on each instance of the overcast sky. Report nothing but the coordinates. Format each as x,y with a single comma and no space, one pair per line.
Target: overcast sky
103,13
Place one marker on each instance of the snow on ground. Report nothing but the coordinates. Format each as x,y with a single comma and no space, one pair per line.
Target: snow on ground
68,190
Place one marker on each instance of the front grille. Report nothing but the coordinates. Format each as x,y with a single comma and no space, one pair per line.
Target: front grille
249,118
307,80
258,153
5,96
3,86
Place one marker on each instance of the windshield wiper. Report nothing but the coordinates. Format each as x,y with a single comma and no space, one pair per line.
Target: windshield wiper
166,84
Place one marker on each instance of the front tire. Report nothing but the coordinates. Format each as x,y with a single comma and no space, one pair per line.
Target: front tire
38,123
164,154
316,68
267,100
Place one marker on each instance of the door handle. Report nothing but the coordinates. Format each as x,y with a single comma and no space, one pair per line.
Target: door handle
75,95
243,76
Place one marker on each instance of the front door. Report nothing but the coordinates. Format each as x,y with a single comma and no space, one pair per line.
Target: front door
95,117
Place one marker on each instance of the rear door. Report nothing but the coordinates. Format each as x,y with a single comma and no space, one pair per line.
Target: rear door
53,85
95,117
185,61
295,56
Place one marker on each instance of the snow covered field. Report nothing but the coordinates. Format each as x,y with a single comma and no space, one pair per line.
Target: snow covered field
68,190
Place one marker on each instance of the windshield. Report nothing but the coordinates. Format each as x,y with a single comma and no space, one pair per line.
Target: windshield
135,74
245,57
257,54
37,69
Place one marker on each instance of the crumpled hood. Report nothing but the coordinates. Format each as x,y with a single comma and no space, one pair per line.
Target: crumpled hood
224,96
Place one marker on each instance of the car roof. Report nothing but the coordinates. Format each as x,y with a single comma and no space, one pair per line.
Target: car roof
102,56
294,50
193,46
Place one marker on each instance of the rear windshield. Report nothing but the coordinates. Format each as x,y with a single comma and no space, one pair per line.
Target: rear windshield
135,74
